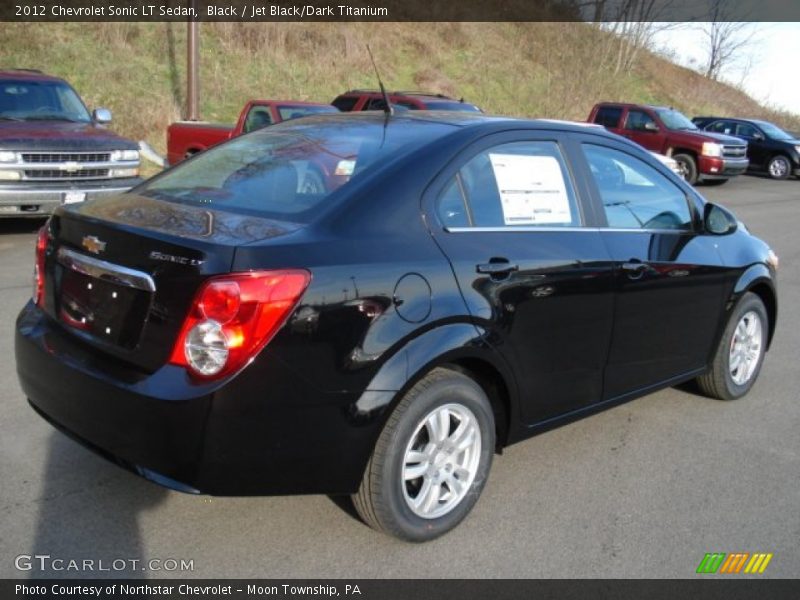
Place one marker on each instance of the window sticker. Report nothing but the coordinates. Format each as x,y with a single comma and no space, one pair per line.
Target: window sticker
532,189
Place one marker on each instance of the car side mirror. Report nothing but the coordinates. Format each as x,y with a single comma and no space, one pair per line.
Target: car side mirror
719,221
101,115
758,137
650,126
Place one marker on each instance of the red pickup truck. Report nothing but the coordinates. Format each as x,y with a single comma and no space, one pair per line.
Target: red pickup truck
701,155
186,138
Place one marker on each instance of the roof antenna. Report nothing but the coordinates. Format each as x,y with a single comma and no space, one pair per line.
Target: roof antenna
388,108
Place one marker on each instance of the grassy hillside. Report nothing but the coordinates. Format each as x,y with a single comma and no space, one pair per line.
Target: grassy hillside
554,70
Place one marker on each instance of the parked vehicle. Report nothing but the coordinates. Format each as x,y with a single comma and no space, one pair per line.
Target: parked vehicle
358,100
703,156
769,147
470,282
670,162
52,151
186,138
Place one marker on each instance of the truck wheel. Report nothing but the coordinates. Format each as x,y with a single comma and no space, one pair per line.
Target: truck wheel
431,460
779,167
688,167
740,354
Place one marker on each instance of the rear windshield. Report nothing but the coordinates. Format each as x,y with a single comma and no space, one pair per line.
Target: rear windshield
289,111
461,106
287,171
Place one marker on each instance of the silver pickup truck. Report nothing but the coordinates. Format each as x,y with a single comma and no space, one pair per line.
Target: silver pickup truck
52,150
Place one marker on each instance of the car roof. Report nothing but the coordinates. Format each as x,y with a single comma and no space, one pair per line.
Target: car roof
291,102
27,75
634,105
410,94
740,119
457,119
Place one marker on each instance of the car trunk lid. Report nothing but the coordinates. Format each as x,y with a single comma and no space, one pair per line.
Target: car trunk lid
122,272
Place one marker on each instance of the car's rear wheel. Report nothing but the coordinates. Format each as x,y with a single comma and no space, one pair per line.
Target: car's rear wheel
431,460
779,167
740,354
687,166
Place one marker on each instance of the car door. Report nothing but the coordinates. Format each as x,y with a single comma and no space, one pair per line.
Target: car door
642,128
507,215
669,276
757,145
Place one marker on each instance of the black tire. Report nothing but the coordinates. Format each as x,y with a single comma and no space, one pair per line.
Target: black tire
779,167
688,166
718,382
381,500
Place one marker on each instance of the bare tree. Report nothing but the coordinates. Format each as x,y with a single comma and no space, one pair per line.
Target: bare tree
634,25
726,40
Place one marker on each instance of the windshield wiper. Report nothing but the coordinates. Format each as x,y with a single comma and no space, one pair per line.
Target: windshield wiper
6,118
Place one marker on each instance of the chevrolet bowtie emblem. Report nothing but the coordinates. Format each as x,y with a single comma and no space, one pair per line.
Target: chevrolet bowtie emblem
93,244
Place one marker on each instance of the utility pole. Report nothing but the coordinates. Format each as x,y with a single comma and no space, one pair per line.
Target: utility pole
192,71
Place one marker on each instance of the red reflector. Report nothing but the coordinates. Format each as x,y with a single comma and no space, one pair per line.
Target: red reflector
250,307
38,270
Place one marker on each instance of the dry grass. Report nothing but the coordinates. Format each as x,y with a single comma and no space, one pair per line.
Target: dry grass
556,70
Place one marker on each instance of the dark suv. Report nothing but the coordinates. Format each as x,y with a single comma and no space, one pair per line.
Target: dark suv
769,147
356,100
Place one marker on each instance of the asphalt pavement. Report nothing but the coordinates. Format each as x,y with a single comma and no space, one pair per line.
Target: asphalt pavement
641,490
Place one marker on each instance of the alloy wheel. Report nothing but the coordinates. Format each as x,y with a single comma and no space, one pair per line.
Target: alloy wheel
746,348
441,460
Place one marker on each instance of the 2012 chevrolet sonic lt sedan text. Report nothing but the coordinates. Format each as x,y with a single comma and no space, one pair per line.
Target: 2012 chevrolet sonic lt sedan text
373,305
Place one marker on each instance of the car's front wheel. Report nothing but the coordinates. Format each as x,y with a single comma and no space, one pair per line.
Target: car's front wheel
740,354
687,166
431,460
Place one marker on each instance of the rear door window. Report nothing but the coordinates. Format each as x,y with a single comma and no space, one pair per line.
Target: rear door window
725,127
519,184
608,116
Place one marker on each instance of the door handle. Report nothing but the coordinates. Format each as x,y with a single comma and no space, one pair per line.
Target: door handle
496,268
635,270
634,267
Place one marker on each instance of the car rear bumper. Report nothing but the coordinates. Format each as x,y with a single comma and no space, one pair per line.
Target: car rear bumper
230,440
37,200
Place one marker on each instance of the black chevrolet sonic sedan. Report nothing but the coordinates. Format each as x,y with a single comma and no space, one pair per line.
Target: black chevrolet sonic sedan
373,305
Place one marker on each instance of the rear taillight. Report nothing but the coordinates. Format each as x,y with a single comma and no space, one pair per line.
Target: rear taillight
38,268
233,317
